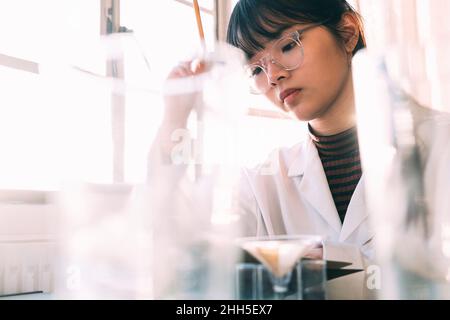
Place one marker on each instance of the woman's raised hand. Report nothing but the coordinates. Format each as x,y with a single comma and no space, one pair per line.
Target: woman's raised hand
178,105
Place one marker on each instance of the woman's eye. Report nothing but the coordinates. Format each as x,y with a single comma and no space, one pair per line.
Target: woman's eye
256,71
289,46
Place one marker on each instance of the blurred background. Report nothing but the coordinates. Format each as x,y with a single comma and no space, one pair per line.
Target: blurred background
79,103
41,40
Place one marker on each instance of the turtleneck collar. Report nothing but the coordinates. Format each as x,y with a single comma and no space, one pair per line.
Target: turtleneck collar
339,145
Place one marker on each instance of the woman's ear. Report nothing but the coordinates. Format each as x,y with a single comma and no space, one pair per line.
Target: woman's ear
349,28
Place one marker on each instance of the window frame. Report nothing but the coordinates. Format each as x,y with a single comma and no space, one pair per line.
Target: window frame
110,16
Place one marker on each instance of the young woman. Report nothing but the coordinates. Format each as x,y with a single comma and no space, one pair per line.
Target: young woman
300,57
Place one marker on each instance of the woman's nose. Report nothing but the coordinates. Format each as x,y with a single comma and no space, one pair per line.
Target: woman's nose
275,72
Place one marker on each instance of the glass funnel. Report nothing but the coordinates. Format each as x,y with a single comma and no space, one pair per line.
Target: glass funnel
279,254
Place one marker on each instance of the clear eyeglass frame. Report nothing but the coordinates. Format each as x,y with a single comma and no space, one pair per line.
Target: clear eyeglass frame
269,58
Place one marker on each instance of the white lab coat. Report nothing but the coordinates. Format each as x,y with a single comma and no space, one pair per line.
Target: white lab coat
289,194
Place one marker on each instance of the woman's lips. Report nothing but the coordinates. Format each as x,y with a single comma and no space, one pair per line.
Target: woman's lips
289,98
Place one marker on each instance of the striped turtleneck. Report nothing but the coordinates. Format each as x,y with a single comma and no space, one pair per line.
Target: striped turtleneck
342,165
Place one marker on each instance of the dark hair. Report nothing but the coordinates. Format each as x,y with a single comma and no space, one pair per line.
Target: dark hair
255,21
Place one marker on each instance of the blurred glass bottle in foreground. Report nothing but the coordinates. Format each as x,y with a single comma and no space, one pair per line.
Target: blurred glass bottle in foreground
172,238
193,168
405,151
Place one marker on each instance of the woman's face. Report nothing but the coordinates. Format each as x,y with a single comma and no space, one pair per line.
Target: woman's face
313,88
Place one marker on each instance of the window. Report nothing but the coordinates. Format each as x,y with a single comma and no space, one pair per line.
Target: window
55,122
50,127
165,33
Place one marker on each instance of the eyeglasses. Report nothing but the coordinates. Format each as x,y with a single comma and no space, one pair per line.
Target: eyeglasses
286,53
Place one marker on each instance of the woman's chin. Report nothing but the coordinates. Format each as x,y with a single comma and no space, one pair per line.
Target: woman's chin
301,113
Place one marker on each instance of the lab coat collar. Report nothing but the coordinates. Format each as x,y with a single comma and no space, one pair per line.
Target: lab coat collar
356,212
297,167
314,185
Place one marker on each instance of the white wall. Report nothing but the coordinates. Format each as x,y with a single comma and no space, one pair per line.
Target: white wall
412,35
27,247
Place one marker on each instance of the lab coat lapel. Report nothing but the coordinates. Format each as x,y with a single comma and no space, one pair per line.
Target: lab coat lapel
356,212
313,184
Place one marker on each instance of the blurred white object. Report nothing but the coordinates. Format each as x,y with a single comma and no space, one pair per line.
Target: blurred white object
404,156
102,247
191,185
410,33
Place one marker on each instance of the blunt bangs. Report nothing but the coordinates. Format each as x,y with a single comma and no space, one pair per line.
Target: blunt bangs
253,23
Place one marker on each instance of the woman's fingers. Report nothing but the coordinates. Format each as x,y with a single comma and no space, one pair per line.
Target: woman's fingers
180,71
188,69
198,66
